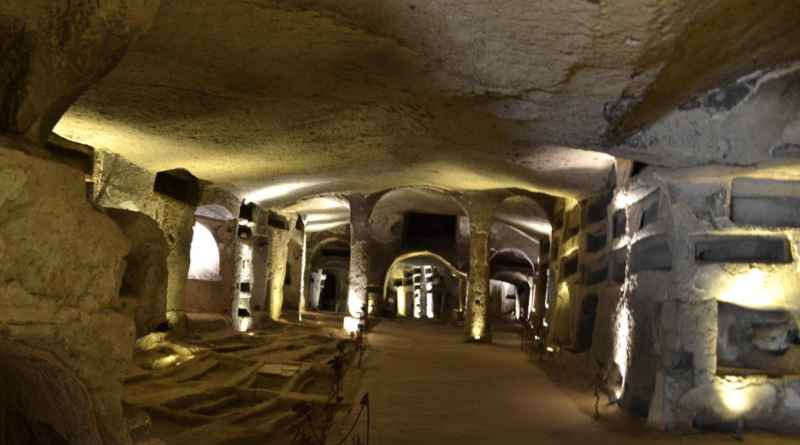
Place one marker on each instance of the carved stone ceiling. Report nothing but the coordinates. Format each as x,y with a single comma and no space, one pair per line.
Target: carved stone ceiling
283,99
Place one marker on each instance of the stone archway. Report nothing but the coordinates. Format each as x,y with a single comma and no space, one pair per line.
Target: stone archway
434,288
211,268
143,294
515,269
43,401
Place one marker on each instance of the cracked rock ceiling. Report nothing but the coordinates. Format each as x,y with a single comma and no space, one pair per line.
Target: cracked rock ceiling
282,99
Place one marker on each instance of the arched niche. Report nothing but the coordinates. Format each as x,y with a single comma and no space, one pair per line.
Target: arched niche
520,226
212,258
331,254
413,219
42,400
391,221
328,287
424,285
143,294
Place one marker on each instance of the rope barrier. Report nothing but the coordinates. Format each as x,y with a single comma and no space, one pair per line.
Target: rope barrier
303,409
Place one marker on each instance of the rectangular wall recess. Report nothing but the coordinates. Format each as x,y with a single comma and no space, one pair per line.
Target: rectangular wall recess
743,249
765,202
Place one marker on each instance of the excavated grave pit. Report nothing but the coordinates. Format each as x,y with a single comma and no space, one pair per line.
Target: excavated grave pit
235,387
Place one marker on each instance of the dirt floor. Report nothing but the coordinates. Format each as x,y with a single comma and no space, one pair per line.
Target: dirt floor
227,387
428,387
425,386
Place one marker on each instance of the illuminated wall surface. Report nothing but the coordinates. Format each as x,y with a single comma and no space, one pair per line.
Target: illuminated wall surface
204,258
654,197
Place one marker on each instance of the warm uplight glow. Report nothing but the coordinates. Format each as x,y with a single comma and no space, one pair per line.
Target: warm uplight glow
401,302
355,306
351,325
242,324
750,289
302,278
429,300
622,342
274,191
624,198
736,400
204,256
170,360
247,264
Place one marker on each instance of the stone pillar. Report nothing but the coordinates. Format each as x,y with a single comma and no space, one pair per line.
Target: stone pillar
276,265
177,225
476,323
258,298
480,209
360,210
540,292
242,287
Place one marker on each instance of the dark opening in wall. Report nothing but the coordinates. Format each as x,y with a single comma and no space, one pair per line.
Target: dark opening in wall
178,184
765,202
287,279
244,287
429,231
242,312
598,209
754,341
247,211
398,282
638,167
278,221
596,277
244,232
585,328
327,298
596,242
73,154
515,263
620,221
339,253
570,266
743,249
651,253
618,266
42,401
559,223
650,214
571,231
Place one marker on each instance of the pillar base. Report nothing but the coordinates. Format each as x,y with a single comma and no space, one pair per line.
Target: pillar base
487,338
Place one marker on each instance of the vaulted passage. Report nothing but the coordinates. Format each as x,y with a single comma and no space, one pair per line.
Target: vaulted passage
207,207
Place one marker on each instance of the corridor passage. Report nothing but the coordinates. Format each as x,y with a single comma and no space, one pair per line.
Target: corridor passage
428,387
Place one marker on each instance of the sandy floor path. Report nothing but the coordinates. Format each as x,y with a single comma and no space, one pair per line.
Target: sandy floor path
428,387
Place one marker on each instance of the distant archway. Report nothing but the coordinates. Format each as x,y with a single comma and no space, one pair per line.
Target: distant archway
43,401
204,257
520,225
211,268
424,285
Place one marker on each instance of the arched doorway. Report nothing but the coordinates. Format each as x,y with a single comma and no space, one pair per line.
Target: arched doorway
520,226
512,284
328,268
410,221
42,402
211,268
424,285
